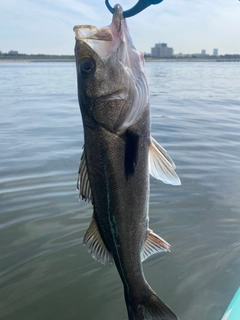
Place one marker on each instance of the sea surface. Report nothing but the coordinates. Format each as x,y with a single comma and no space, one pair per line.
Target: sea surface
45,271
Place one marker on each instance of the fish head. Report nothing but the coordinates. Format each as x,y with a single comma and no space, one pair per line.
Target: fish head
112,86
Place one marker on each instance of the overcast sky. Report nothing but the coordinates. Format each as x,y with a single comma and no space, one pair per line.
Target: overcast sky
45,26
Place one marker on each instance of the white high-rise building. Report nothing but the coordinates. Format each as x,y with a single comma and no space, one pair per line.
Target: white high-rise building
161,50
215,52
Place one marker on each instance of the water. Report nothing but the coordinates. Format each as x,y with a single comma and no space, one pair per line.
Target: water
45,272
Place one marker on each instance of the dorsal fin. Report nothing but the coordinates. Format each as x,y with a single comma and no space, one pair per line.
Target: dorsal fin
97,247
131,153
161,165
154,244
83,184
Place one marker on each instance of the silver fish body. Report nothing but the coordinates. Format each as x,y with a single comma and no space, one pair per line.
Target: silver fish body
118,156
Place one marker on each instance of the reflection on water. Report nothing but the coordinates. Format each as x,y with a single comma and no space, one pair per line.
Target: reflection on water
45,271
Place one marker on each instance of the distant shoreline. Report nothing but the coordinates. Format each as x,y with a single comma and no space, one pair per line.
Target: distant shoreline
34,60
73,60
147,59
180,60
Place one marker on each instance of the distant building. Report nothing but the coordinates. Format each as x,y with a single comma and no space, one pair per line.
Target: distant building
147,54
12,52
215,52
182,55
203,53
0,52
161,50
179,55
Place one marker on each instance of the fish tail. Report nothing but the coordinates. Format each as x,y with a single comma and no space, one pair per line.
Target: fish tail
149,307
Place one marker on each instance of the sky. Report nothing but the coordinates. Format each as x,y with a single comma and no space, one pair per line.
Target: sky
188,26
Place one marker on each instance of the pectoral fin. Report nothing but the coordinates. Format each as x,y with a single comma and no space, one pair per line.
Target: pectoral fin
83,184
97,247
161,165
154,244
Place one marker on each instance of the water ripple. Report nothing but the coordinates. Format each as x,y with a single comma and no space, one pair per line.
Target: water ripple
195,111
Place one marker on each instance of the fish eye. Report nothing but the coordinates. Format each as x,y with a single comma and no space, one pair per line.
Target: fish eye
87,65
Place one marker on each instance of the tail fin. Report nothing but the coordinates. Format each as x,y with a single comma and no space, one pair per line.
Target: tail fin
150,307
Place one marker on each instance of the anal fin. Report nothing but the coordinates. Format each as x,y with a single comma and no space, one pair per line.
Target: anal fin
154,244
97,247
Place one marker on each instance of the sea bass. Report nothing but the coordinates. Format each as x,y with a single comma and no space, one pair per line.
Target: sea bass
118,156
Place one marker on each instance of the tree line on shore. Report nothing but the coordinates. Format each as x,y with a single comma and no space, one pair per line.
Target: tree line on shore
23,56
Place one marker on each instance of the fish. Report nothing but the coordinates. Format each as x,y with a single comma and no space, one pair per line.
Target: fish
118,157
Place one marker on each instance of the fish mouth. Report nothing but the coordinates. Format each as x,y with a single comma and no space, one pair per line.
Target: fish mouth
100,40
88,32
104,41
